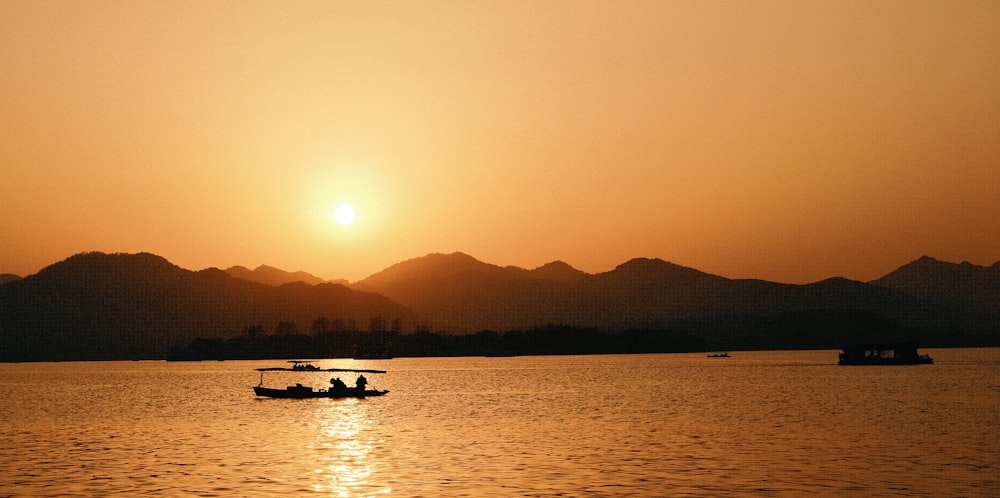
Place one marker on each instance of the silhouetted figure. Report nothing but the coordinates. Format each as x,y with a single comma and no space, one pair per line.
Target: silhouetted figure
362,382
338,385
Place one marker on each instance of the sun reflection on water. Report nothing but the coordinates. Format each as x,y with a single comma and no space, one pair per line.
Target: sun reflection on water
344,440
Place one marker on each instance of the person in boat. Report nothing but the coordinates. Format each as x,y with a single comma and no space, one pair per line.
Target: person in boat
361,382
337,384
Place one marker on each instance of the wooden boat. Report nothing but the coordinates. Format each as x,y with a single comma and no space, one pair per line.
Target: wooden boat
337,389
883,354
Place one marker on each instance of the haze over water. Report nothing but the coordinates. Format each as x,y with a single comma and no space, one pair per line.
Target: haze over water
770,423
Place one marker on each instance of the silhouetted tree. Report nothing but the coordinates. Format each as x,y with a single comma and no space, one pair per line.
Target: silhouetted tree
286,328
321,325
254,331
377,324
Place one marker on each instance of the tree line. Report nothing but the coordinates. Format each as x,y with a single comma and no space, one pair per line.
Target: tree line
815,329
388,342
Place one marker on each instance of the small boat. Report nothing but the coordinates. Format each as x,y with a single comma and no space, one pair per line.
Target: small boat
302,365
883,354
719,355
337,388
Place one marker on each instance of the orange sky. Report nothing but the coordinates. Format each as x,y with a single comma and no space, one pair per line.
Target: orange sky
788,141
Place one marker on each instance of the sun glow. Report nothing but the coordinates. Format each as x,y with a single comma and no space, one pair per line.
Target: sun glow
344,214
343,206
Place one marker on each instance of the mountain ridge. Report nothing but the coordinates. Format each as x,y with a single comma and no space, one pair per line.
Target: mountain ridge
929,277
473,295
272,276
118,306
105,306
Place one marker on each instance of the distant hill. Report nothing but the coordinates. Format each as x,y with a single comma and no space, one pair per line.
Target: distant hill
557,271
957,282
965,289
113,306
269,275
461,294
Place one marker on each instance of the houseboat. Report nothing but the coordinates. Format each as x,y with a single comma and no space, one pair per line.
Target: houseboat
883,354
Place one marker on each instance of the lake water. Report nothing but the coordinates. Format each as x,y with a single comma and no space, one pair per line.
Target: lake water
767,423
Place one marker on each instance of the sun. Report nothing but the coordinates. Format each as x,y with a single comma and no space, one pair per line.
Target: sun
344,214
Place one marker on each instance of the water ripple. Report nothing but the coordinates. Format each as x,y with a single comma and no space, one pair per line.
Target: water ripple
788,423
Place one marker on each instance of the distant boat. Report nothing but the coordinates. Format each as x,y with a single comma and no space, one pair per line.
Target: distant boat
883,354
719,355
302,365
337,388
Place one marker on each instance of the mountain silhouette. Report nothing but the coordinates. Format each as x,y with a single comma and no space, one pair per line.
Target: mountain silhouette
963,282
557,271
113,306
963,288
460,294
270,275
